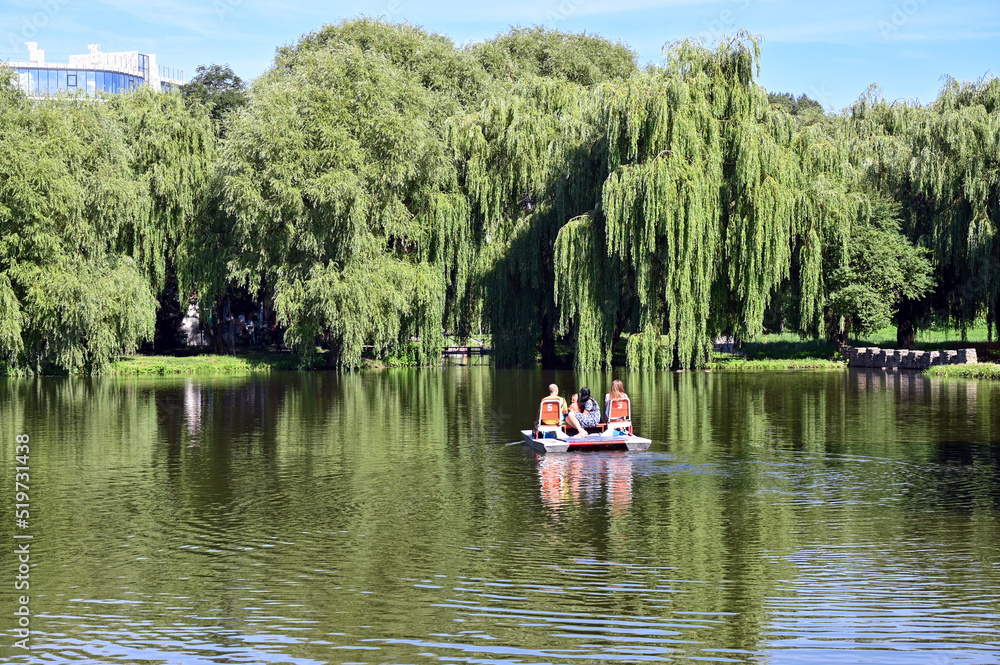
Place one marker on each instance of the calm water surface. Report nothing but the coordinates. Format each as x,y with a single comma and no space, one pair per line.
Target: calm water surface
384,517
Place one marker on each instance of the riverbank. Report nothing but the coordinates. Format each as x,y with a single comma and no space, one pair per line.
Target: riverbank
203,364
743,364
241,364
761,356
986,371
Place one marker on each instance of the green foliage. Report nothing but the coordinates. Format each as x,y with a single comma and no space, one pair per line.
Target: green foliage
339,187
942,163
978,371
93,198
172,150
881,269
9,90
698,204
791,105
217,88
577,58
588,301
381,186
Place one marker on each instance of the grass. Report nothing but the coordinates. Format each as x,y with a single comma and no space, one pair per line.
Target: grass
925,338
780,352
978,371
785,346
203,364
742,364
790,347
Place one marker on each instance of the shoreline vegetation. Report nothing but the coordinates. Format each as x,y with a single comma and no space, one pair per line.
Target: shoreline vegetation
742,364
380,187
209,364
769,353
203,364
985,371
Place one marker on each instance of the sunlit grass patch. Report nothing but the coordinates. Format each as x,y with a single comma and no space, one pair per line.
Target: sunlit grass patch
773,364
203,364
977,371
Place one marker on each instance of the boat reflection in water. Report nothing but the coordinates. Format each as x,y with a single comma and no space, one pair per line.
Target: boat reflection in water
588,477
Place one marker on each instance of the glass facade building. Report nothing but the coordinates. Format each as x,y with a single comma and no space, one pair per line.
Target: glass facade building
49,81
91,73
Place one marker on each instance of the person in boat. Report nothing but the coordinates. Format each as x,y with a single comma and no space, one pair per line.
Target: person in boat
574,403
554,392
589,416
617,392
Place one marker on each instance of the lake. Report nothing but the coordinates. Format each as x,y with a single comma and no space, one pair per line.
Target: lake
392,517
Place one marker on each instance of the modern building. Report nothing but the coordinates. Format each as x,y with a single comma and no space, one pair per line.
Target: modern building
92,73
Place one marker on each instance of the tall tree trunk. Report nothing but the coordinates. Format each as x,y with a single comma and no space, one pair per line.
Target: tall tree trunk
991,319
549,358
844,333
904,325
169,314
333,353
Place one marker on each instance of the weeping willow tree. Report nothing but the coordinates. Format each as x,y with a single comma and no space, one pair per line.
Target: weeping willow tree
695,218
527,164
93,202
941,163
172,151
524,165
70,298
343,199
956,168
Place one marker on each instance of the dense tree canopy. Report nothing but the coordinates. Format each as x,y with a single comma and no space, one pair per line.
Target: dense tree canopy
792,105
93,197
881,269
217,88
381,186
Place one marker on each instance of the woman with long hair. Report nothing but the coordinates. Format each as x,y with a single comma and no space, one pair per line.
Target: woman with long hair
589,416
617,392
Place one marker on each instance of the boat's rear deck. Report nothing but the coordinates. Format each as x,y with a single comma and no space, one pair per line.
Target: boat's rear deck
593,442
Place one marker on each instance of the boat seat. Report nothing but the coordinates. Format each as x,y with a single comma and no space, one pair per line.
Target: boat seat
549,417
620,415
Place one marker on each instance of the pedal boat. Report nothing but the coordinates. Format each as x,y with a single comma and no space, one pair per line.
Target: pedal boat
559,442
616,433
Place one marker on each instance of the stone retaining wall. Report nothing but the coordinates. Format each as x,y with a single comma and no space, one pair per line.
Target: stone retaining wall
902,359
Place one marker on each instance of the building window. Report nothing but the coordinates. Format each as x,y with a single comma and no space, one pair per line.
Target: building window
71,80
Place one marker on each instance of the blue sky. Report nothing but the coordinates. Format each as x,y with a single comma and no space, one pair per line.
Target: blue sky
831,51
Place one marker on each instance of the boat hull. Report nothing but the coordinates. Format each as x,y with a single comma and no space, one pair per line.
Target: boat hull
564,444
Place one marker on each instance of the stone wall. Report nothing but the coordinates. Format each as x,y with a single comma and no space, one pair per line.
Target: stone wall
902,359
